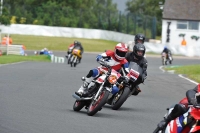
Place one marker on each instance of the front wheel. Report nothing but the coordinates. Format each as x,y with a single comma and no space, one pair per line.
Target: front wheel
163,61
120,98
78,105
95,106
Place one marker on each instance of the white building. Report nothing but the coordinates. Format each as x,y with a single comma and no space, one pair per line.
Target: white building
181,22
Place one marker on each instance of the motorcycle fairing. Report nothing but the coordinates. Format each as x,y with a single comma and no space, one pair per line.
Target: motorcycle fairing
175,126
101,79
76,52
134,74
195,113
196,128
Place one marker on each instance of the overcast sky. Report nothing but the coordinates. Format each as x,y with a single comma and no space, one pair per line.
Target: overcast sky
121,4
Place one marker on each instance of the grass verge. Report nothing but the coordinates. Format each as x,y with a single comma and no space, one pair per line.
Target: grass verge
61,43
5,59
190,71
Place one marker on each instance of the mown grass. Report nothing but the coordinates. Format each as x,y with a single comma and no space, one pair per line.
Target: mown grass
191,71
5,59
61,43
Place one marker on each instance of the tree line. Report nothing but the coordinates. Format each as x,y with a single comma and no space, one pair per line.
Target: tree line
95,14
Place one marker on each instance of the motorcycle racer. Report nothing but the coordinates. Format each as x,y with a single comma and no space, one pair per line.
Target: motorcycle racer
192,97
75,45
115,59
139,38
168,53
137,56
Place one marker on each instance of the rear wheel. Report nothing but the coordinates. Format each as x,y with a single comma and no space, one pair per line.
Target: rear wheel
78,105
96,106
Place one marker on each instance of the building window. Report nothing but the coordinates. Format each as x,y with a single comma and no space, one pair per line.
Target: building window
193,25
181,24
190,25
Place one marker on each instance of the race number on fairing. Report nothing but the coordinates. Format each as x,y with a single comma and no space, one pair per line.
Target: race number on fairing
134,74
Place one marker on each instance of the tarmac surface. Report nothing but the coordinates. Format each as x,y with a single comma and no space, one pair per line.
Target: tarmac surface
36,97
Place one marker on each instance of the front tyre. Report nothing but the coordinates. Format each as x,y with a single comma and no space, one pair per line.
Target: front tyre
120,98
78,105
95,106
163,61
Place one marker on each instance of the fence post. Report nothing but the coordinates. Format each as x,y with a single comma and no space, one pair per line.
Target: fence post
153,35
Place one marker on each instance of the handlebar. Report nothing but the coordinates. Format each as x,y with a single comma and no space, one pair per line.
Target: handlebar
103,63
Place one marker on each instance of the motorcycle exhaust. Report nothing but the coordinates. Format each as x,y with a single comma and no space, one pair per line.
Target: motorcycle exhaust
81,98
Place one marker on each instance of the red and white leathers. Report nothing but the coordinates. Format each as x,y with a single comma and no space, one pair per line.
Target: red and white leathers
111,60
115,59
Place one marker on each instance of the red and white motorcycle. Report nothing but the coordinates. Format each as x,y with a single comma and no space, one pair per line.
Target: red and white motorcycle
99,90
186,123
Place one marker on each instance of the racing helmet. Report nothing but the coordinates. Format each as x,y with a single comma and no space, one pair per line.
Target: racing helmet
75,43
120,51
139,47
139,37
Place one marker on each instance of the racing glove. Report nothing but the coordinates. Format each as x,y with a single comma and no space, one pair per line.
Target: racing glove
193,101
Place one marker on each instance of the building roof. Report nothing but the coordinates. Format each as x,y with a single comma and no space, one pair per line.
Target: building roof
182,10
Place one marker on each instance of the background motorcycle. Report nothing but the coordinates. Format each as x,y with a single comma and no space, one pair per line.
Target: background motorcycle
75,57
99,89
166,58
190,120
127,86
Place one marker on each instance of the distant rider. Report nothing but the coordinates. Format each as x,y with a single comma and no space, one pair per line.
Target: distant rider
75,45
168,52
139,38
115,59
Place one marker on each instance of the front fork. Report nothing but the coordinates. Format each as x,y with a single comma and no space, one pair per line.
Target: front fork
100,90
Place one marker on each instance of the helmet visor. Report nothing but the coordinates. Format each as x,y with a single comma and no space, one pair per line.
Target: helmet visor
120,53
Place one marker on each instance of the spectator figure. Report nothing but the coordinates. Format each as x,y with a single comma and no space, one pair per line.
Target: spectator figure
7,40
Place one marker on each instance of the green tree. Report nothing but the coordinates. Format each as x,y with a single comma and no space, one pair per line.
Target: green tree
147,7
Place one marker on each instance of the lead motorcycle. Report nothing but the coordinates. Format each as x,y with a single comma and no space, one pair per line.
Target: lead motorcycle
127,86
189,122
99,88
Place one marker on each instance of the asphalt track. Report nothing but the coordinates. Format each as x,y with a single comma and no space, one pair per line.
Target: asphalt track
36,97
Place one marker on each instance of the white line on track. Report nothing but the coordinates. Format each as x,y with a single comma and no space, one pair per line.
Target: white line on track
180,75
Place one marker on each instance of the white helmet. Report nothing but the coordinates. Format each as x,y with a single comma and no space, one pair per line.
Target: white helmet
120,51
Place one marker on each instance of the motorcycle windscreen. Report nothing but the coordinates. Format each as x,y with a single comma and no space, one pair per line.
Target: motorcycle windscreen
136,67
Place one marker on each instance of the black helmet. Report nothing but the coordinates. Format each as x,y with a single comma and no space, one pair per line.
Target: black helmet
139,47
139,37
77,43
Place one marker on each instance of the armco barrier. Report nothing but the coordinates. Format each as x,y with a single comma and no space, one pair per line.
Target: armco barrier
56,59
12,49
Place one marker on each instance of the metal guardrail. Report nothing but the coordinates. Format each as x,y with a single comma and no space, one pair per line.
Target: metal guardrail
12,49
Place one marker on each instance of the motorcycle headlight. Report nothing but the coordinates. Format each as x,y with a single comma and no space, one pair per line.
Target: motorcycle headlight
112,79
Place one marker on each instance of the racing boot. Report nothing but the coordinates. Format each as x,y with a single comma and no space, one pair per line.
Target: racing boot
137,91
82,92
